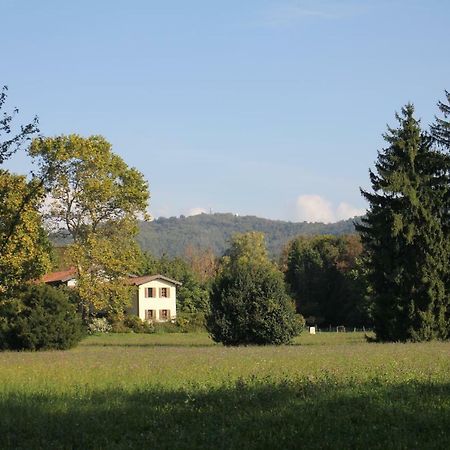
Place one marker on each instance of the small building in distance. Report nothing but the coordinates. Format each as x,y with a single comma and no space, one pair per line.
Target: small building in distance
155,298
66,277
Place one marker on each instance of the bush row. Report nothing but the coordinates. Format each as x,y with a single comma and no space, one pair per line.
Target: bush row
184,323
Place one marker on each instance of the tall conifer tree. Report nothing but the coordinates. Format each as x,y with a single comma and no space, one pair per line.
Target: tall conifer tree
405,235
440,130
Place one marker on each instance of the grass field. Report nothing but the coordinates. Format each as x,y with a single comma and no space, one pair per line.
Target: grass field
181,391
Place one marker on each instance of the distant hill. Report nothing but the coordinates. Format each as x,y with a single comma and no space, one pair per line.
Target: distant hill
172,235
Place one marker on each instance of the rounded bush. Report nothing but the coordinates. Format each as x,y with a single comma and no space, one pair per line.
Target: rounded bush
250,306
39,317
137,325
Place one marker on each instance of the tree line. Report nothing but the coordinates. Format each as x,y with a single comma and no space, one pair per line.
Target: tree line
170,236
393,274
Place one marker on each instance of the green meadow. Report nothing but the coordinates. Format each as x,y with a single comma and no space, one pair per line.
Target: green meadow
182,391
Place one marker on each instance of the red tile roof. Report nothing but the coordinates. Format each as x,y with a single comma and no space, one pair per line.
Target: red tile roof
137,281
64,275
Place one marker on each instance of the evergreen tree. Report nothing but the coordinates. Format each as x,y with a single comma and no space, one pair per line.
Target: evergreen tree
405,236
249,304
38,317
440,130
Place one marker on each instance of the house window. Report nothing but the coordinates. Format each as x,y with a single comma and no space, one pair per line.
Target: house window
164,292
150,292
164,314
150,314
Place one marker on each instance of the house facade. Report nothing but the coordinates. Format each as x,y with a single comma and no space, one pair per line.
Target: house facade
155,297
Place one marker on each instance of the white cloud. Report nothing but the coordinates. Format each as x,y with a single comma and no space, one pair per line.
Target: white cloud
196,211
314,208
345,211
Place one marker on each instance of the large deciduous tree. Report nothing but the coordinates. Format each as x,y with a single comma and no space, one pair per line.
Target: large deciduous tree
13,138
203,262
24,247
405,235
326,279
97,199
23,243
249,304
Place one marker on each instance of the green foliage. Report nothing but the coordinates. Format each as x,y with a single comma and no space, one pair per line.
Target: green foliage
184,323
300,323
249,304
104,262
97,198
39,317
326,278
406,236
247,248
90,185
172,236
119,327
166,327
190,322
24,246
136,325
440,130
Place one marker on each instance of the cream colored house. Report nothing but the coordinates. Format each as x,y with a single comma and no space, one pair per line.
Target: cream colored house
155,297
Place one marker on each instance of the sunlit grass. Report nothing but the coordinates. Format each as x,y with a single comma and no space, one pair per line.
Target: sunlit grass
330,390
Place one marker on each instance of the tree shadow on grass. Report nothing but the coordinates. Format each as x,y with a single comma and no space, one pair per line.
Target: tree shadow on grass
246,415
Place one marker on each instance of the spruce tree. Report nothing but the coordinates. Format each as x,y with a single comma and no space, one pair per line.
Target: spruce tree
405,236
440,130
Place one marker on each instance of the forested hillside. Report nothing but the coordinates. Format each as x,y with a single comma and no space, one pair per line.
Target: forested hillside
171,236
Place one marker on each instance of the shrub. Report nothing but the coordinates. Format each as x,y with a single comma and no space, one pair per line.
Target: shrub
39,317
300,322
148,327
190,322
166,327
133,323
136,325
119,327
99,325
250,306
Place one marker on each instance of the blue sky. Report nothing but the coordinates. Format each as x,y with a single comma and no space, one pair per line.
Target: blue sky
262,107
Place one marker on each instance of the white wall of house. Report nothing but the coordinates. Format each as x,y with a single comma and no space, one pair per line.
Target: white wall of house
72,282
157,304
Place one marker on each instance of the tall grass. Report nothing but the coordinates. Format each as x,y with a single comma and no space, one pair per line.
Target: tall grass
183,391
